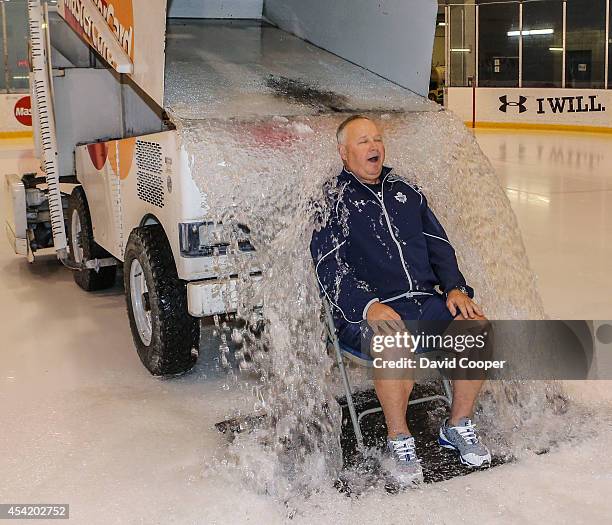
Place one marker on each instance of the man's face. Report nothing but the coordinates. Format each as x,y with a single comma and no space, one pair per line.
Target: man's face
363,150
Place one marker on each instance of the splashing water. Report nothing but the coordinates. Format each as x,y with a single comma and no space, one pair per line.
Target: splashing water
267,174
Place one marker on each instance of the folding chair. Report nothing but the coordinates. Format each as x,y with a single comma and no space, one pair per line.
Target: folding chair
343,351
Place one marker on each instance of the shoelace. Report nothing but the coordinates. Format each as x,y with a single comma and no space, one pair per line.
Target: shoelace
405,450
468,433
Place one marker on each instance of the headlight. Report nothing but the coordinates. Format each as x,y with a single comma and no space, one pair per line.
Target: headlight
204,239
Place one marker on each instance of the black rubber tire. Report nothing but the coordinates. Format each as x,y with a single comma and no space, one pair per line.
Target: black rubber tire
89,280
175,333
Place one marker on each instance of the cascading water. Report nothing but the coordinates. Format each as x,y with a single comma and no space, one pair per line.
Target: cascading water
257,169
268,174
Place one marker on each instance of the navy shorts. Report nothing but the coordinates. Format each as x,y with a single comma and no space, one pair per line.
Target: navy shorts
432,308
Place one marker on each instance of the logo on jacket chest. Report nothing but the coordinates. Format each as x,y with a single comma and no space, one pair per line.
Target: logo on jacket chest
366,204
400,197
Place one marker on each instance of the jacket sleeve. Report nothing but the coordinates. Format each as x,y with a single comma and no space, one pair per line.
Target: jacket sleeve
349,296
441,253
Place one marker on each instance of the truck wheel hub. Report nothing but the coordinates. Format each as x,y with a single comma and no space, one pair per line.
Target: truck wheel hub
139,294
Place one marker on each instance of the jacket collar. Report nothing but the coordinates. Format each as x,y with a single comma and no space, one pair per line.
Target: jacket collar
348,175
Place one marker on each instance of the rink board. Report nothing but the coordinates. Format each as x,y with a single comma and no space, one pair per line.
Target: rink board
533,108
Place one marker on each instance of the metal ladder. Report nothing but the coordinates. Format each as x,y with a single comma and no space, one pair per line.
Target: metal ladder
42,94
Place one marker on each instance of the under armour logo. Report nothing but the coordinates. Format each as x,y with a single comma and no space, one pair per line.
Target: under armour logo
400,197
520,104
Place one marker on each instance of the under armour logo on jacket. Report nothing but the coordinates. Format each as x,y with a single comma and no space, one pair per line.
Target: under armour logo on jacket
400,197
520,104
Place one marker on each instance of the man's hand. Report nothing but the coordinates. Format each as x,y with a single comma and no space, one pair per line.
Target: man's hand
384,319
458,302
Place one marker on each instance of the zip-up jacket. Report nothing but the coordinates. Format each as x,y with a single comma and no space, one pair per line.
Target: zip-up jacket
381,243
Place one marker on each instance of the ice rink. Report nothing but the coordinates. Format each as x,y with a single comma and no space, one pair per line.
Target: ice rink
561,191
85,424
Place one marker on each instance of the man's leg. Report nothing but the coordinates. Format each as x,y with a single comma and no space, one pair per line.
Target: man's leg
393,395
392,388
401,460
465,392
458,432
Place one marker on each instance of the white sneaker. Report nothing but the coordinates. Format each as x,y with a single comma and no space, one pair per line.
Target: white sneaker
404,466
464,440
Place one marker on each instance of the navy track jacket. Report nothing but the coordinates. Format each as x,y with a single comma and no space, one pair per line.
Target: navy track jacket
380,243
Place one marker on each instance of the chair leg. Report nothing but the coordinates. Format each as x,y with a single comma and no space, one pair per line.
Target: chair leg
448,391
345,380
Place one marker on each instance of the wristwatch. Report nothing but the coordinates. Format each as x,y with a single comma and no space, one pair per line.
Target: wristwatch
462,289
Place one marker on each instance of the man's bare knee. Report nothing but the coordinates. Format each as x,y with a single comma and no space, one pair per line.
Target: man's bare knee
479,323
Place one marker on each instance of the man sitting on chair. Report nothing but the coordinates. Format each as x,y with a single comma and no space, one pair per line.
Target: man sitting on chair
379,258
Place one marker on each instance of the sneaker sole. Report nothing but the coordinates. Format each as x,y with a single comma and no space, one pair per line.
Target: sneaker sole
409,483
444,443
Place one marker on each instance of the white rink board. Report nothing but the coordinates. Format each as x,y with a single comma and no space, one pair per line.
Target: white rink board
561,107
10,110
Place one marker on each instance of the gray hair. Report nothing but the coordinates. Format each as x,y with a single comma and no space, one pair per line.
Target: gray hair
340,133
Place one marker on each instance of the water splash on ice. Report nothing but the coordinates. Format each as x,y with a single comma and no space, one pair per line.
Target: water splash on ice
267,173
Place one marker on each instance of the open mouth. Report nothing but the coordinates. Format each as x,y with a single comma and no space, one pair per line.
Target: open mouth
374,159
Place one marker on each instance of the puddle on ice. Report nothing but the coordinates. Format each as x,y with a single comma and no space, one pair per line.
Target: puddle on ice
267,174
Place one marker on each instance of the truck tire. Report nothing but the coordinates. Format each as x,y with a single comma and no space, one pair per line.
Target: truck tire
83,246
164,333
